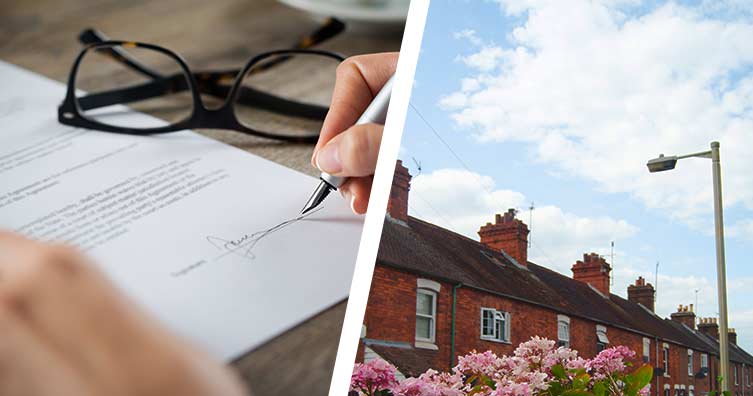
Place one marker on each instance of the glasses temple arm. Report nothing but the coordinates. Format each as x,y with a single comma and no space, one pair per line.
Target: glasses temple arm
92,36
330,28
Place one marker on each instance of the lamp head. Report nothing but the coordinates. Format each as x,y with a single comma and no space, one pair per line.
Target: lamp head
662,163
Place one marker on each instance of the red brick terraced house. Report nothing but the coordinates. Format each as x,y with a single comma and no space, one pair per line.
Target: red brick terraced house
436,295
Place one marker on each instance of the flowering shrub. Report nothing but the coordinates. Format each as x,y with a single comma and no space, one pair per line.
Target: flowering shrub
536,368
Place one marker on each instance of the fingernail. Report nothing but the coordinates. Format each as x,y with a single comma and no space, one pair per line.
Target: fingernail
353,204
328,159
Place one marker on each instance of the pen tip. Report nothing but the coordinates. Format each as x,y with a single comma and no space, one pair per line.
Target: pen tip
317,197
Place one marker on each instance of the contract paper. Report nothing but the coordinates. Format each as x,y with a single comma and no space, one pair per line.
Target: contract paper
205,236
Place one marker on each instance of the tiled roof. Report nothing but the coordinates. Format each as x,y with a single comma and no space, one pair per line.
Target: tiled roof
412,362
428,250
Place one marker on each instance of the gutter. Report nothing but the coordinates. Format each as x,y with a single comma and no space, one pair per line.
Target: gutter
452,324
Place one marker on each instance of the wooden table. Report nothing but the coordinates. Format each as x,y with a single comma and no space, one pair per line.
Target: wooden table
40,35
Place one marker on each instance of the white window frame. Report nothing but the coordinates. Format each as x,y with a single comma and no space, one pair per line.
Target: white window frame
704,361
690,362
691,390
432,317
734,372
601,331
496,315
665,359
563,340
646,349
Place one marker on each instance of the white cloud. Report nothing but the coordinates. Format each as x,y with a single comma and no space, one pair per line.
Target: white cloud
742,229
468,34
596,94
469,84
454,100
464,201
485,60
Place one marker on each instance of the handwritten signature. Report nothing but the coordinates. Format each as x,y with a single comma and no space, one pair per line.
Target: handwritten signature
244,245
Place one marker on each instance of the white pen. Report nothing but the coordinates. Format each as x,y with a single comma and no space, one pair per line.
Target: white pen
375,113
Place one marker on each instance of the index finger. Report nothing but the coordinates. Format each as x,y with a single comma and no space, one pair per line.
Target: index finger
359,79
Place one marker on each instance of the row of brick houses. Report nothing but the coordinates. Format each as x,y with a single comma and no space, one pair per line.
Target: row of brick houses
436,294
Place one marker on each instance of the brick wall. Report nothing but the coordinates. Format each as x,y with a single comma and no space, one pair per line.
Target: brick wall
391,311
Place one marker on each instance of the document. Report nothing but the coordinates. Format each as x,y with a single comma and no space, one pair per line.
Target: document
206,236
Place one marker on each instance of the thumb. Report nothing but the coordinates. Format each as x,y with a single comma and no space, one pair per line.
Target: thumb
352,153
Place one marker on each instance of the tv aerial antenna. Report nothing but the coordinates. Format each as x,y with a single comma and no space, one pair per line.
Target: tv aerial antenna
530,224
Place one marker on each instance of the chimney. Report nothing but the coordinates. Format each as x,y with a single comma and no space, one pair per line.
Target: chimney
593,270
397,206
684,315
709,326
732,336
642,293
507,234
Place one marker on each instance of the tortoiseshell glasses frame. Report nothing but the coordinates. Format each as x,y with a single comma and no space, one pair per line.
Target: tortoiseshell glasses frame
213,83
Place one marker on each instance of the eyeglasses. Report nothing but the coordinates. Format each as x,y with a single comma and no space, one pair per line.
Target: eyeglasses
283,94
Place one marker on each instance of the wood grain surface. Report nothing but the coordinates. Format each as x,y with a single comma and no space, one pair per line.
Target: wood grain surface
40,35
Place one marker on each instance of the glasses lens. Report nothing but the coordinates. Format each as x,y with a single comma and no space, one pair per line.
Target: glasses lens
287,95
111,91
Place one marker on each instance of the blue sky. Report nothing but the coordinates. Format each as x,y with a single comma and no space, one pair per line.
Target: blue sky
562,105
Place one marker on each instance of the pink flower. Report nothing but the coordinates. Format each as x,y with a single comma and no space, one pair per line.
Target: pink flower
431,383
373,376
609,362
474,363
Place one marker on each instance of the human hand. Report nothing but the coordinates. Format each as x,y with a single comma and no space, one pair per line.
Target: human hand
66,330
347,150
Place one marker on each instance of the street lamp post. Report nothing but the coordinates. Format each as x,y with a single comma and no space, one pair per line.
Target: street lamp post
664,163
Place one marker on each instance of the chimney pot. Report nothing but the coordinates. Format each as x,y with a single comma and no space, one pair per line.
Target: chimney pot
507,234
684,315
709,326
593,270
397,206
642,293
732,336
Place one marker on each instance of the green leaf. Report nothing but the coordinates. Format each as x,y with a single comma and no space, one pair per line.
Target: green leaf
576,392
642,376
581,381
555,388
559,372
600,389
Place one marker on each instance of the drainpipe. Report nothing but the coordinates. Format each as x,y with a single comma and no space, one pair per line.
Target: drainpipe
656,348
452,324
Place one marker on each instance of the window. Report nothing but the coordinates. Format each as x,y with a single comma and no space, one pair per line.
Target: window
690,362
426,315
704,361
563,331
495,325
667,390
646,350
601,338
734,374
691,390
665,358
